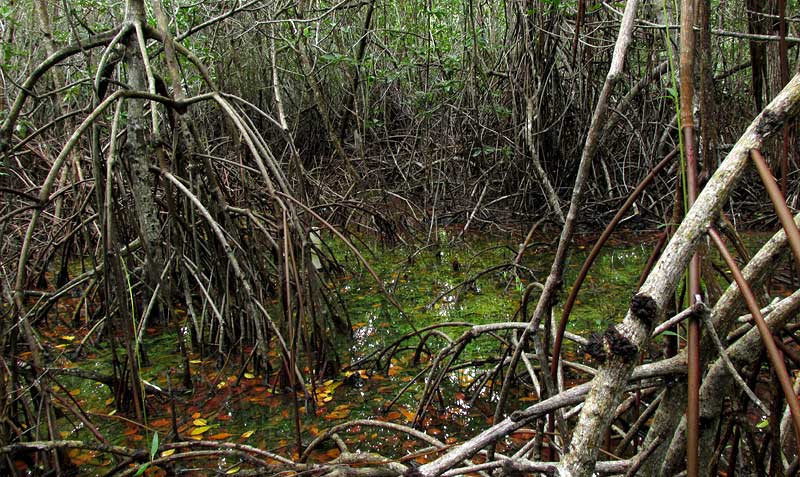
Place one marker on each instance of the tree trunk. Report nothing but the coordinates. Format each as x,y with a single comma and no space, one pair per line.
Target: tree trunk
138,152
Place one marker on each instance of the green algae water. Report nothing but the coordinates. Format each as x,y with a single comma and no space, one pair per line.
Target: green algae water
453,283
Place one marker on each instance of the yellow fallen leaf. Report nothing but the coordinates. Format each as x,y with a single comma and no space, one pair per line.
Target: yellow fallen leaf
200,422
114,411
199,430
74,392
68,338
249,376
247,434
408,414
338,414
195,361
167,452
233,470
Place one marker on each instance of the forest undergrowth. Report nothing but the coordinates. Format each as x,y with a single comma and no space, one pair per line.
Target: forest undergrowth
208,178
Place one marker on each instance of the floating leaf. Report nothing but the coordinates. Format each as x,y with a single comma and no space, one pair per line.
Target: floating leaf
339,414
74,392
247,434
409,415
199,430
167,452
80,457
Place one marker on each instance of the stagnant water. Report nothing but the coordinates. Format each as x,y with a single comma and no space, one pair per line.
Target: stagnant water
246,409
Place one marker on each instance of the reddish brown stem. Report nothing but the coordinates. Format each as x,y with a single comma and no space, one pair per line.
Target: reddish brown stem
693,346
687,51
